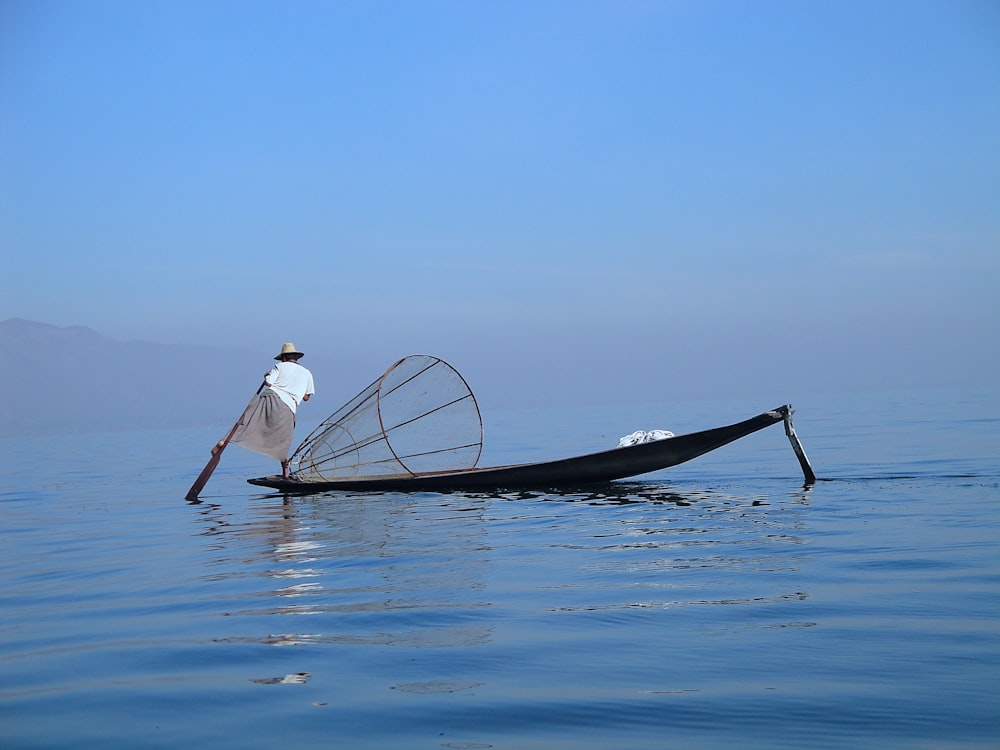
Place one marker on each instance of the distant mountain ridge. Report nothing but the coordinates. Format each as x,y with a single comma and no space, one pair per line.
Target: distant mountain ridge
74,379
29,330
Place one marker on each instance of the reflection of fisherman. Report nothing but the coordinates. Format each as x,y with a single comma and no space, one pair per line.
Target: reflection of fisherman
267,424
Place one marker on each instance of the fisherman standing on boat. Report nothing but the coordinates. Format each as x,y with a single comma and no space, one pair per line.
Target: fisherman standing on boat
267,424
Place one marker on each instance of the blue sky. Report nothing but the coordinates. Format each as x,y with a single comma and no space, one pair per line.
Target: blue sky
598,197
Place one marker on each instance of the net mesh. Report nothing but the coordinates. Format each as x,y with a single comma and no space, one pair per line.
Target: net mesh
419,416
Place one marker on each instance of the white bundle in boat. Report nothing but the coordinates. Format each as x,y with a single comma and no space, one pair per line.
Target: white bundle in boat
643,436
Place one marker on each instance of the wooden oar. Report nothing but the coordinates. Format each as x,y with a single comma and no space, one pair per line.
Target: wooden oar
202,480
800,453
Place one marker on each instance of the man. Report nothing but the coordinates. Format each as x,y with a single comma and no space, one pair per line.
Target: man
267,424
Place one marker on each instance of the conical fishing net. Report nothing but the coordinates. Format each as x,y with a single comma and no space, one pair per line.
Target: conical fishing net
419,416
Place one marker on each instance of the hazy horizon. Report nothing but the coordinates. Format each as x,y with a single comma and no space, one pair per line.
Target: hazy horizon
90,383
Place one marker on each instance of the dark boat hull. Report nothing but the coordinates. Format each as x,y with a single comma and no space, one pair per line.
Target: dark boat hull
592,468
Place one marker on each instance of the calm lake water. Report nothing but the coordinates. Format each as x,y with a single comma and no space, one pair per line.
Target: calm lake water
718,604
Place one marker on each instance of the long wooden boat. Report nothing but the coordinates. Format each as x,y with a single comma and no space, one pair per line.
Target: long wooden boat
592,468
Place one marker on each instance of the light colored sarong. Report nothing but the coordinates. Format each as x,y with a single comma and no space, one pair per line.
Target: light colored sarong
266,426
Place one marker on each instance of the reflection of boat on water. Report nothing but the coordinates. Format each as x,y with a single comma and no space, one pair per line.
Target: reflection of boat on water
382,571
418,428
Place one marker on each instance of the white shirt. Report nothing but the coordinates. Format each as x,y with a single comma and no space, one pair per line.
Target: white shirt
291,382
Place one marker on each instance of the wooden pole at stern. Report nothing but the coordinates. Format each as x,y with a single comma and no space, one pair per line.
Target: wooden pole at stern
202,480
800,452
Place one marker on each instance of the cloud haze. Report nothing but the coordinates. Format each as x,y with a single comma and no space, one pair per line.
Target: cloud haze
567,200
